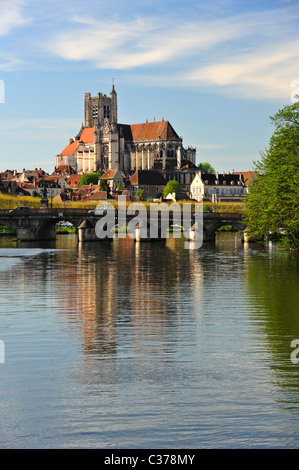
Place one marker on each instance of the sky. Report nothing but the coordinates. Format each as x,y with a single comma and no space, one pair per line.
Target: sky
215,70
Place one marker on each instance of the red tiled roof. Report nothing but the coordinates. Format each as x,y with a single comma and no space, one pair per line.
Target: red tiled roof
63,169
52,177
73,181
70,149
27,185
153,131
247,175
85,188
109,175
87,135
97,196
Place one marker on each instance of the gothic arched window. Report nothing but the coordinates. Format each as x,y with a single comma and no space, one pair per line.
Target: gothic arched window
106,112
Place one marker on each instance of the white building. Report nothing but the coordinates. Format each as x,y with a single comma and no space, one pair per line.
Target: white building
225,187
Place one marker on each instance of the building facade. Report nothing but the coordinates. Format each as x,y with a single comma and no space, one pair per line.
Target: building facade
219,187
104,144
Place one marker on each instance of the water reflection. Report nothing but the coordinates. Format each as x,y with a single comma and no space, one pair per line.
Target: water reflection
272,287
122,286
156,345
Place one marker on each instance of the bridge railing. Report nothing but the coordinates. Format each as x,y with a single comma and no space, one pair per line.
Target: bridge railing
47,211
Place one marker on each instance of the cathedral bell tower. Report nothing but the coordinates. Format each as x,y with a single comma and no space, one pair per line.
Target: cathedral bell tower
100,109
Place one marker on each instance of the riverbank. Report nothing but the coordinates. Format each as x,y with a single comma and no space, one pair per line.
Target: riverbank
8,202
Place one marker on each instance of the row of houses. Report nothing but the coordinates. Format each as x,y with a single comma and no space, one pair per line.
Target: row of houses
65,183
33,183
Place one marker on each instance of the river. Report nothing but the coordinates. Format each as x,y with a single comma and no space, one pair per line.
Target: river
148,345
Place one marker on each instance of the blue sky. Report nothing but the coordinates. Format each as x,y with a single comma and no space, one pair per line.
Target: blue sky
216,70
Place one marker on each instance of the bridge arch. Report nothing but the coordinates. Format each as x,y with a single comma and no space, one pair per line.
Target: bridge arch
41,224
210,227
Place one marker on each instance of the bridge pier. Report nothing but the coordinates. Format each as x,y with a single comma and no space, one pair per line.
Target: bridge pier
87,232
209,233
35,232
147,232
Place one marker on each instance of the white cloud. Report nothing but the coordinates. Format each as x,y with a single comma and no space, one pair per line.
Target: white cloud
10,18
10,15
8,63
265,73
151,40
147,41
251,54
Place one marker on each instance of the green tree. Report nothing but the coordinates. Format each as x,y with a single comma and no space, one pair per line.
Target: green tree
206,168
104,186
272,205
88,178
207,208
172,186
139,195
120,187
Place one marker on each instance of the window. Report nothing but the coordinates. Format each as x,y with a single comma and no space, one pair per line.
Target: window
94,111
106,112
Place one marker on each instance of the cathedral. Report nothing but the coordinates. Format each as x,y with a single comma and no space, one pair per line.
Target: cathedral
103,143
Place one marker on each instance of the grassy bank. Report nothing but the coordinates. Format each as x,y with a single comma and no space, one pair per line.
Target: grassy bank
65,229
8,202
4,230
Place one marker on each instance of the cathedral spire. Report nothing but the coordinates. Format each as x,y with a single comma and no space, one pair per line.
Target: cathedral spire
113,97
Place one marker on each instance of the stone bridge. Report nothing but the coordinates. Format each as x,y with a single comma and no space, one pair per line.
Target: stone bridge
40,224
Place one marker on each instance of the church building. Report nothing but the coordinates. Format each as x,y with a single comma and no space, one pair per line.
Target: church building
104,144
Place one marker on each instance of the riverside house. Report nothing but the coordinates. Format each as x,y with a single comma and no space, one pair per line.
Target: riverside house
221,187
